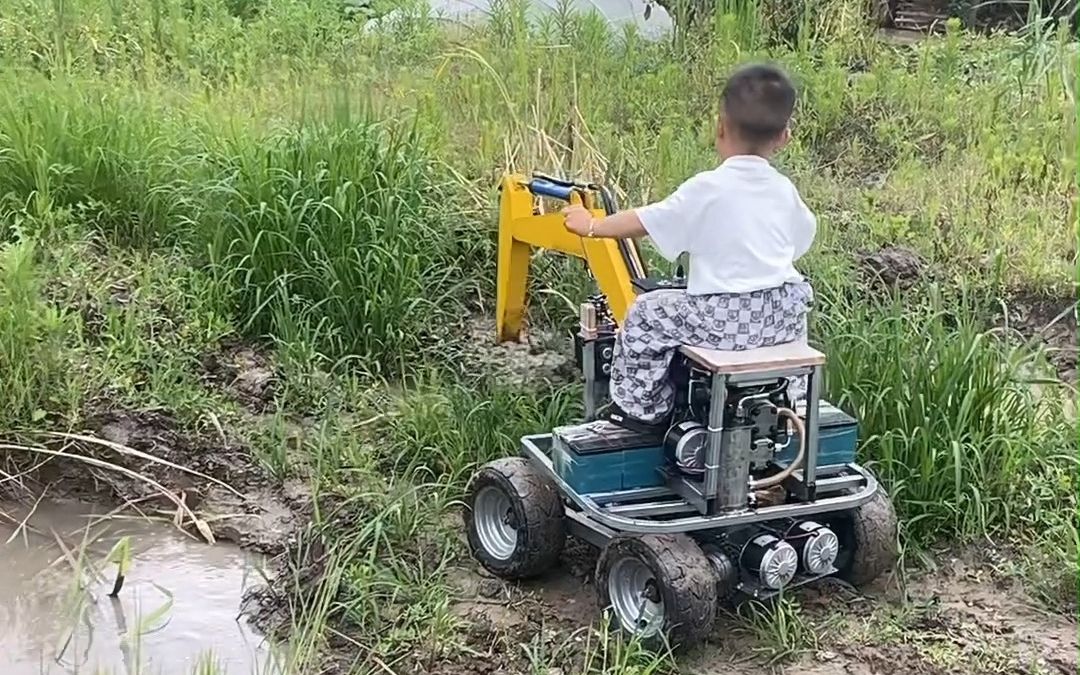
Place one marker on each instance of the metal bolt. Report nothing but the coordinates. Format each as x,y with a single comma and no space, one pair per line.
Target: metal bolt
652,591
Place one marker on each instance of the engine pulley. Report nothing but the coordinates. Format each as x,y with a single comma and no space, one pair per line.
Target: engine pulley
685,446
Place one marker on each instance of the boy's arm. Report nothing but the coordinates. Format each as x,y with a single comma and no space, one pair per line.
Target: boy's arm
805,227
670,223
621,225
667,222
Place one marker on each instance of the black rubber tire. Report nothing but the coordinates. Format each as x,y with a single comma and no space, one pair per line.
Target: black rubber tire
536,503
684,578
869,535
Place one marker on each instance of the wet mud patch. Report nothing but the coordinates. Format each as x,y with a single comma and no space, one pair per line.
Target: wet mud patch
972,601
1049,322
503,623
211,473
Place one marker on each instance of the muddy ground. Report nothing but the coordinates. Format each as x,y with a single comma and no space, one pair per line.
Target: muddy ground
958,618
211,470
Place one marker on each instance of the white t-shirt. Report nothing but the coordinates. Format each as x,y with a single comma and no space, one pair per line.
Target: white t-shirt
743,225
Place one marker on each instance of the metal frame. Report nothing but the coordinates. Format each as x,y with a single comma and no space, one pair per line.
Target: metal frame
599,524
720,499
595,388
725,488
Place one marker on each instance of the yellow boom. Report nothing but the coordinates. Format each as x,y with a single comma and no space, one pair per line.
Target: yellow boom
614,264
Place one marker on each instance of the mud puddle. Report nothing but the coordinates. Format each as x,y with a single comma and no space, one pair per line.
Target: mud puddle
177,611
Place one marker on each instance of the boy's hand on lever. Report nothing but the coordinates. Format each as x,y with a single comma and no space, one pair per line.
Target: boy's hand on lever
578,220
622,225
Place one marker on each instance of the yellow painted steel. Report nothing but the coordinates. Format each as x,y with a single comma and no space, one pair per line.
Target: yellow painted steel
521,229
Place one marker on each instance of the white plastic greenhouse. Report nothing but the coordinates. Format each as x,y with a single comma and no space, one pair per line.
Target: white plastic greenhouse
617,12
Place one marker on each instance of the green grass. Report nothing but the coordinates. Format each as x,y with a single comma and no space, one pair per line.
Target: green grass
948,411
178,175
779,628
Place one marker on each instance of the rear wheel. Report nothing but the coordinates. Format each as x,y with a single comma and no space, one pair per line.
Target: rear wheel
868,546
514,519
658,588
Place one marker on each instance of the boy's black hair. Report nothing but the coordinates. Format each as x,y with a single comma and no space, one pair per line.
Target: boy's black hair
757,102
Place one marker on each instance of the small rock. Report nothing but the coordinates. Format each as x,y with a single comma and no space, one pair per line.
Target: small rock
894,265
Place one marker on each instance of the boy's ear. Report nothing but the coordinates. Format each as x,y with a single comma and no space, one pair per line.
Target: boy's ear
785,137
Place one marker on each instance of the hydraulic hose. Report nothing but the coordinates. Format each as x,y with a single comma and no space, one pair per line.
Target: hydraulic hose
776,479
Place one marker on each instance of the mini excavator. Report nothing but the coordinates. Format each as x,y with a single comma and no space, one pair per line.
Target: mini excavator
745,495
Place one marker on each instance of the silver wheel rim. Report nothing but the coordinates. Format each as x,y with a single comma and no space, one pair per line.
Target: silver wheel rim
635,597
493,518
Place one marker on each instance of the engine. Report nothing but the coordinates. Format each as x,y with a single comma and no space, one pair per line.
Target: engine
752,423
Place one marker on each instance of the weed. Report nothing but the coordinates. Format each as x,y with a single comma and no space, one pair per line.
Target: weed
950,417
32,353
780,628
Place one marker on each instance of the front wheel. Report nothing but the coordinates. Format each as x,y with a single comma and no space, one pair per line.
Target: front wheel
514,519
658,588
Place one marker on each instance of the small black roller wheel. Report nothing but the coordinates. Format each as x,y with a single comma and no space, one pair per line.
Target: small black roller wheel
514,518
659,589
868,545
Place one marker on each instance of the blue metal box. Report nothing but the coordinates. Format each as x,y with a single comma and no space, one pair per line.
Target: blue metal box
838,437
603,457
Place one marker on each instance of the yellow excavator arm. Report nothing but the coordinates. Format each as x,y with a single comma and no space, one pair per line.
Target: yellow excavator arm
614,264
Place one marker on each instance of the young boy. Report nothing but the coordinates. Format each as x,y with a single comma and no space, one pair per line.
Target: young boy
743,226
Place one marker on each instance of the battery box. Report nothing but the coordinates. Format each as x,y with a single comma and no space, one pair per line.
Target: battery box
604,457
838,437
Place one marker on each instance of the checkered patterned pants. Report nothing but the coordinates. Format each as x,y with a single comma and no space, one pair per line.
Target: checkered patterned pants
660,322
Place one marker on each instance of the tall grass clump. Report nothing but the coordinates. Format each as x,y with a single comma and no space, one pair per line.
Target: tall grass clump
122,163
220,41
336,233
371,571
956,418
32,354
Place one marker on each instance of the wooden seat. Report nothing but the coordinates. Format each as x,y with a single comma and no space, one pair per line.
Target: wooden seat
790,355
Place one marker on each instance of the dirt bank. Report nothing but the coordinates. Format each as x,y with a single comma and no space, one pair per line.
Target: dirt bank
209,467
